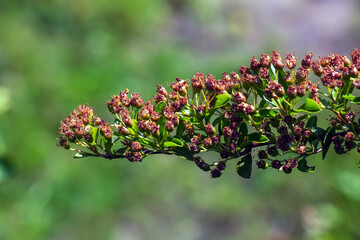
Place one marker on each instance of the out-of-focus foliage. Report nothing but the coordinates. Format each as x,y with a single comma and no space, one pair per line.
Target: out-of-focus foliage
55,54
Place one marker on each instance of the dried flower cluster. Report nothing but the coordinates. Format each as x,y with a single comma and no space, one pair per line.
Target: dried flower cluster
269,106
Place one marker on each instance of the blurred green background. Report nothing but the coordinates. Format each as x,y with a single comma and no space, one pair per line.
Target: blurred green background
57,54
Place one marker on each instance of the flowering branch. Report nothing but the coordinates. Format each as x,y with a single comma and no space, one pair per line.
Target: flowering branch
270,107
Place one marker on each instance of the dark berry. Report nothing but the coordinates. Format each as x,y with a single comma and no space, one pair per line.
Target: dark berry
287,169
262,164
215,173
262,154
339,149
221,166
272,151
276,164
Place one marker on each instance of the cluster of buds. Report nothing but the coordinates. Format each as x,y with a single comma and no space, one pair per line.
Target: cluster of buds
270,104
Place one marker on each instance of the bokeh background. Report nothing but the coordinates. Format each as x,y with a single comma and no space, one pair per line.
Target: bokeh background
57,54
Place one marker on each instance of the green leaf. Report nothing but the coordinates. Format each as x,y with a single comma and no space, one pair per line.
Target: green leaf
311,122
356,100
217,120
222,100
159,107
174,143
281,79
262,95
162,124
272,72
209,114
94,133
267,113
180,129
121,151
243,129
309,106
244,166
224,122
318,135
303,117
183,152
257,138
302,166
349,97
108,143
325,103
328,140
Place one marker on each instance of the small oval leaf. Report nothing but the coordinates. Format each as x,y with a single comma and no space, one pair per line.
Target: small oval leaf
244,166
222,100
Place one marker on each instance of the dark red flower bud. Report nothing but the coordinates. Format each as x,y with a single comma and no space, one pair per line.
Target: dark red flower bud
292,162
155,116
353,71
227,131
123,130
301,74
290,61
276,60
239,97
210,82
189,128
265,60
145,114
210,129
306,62
136,100
300,90
291,92
169,126
64,143
317,68
127,121
215,139
289,79
357,83
244,70
349,136
207,142
350,116
161,90
196,139
254,64
264,73
279,90
301,149
250,109
137,157
194,148
159,98
135,146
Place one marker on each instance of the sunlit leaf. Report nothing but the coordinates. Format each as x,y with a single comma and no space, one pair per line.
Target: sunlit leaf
222,100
